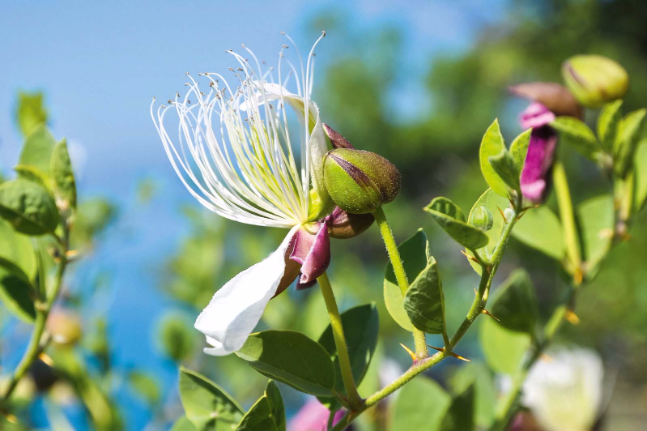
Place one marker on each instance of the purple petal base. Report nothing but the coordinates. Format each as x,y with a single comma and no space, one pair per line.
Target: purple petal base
312,252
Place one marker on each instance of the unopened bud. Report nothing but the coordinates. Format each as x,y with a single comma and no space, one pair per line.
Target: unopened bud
360,181
557,98
337,140
65,327
595,80
482,218
343,225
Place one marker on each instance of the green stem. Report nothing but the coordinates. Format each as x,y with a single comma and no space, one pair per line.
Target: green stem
420,366
34,346
355,401
567,217
400,275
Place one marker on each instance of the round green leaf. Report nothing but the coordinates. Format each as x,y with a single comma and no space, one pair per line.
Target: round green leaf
16,291
492,145
451,218
424,301
206,404
267,414
37,150
28,207
578,135
421,405
503,349
495,204
514,303
595,217
18,249
292,358
540,229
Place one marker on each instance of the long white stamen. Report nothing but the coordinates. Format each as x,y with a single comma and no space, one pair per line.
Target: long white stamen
234,153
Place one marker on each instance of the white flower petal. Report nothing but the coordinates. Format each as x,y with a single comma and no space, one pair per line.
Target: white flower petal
237,307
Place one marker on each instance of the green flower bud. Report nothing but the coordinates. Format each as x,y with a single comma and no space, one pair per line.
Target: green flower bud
360,181
595,80
482,218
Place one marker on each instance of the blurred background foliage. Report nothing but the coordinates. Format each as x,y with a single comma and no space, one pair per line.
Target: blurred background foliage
435,146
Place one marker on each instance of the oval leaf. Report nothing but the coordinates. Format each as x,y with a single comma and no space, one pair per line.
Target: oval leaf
267,414
415,254
627,140
16,291
205,403
540,229
495,204
504,165
595,217
445,212
608,123
38,147
361,326
460,415
421,405
640,169
18,249
492,145
28,207
578,135
424,301
515,303
519,149
63,175
291,358
31,111
503,349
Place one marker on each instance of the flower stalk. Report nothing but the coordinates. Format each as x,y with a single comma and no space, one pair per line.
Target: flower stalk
400,275
354,399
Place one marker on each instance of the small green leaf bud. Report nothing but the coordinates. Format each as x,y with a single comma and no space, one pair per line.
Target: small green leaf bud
360,181
595,80
482,218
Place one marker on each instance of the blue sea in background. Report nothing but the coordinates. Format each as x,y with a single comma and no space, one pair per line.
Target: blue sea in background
99,65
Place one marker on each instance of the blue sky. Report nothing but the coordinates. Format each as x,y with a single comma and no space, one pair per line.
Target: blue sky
100,64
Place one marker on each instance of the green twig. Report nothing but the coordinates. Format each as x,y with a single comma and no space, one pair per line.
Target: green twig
400,275
567,218
354,400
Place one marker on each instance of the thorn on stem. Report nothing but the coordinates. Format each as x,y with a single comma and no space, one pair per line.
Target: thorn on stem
442,349
572,317
490,314
472,258
408,350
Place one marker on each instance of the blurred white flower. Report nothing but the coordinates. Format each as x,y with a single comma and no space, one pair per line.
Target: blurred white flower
564,391
236,154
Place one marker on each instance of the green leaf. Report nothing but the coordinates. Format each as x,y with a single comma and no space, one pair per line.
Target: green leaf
451,218
424,301
415,254
485,391
63,175
16,291
28,207
177,337
503,349
495,204
640,169
540,229
30,112
37,151
595,218
18,249
515,304
519,149
578,135
504,165
183,424
267,414
460,416
492,145
421,405
361,326
608,122
146,386
630,132
33,174
291,358
206,405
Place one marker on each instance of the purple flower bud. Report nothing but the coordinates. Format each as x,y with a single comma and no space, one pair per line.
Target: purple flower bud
553,96
541,152
343,225
338,141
